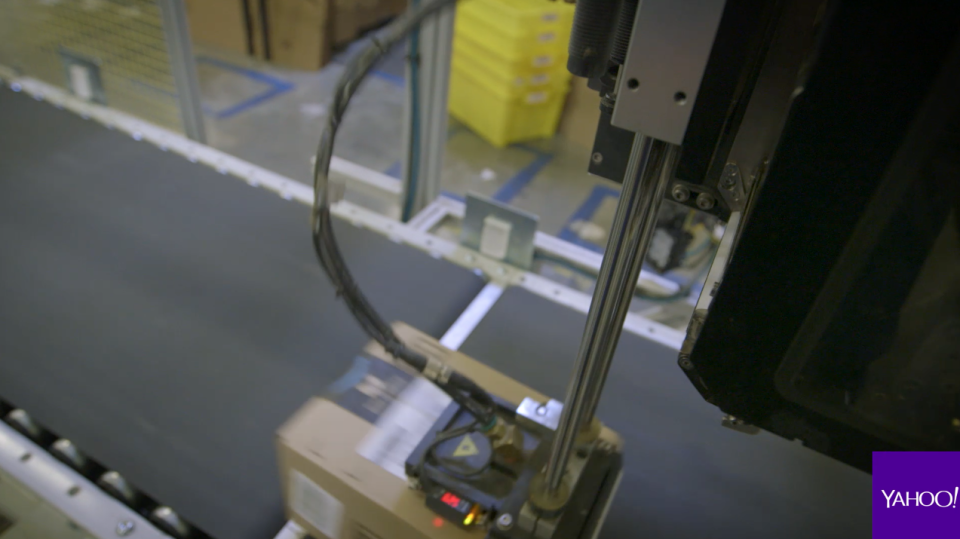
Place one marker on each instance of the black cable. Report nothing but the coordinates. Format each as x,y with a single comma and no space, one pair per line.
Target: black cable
460,388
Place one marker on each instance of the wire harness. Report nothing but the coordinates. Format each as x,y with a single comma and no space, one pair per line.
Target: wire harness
460,388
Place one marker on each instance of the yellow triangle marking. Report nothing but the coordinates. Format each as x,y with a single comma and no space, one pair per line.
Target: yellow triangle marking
466,447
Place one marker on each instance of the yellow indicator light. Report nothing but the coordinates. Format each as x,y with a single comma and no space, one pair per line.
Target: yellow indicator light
472,516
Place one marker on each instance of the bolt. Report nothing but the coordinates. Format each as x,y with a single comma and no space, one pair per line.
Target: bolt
705,201
686,364
125,527
597,158
728,182
680,193
505,521
541,410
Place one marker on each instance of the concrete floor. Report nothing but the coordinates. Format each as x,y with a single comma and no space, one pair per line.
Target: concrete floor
272,117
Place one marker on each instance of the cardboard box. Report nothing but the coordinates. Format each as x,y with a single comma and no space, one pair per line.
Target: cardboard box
229,25
297,33
335,492
351,18
578,124
219,23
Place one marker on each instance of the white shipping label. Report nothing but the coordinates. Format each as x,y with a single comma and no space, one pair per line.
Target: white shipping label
80,82
537,80
542,61
315,505
400,428
536,97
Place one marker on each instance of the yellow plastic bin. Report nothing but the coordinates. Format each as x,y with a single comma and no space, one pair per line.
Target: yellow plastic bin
524,34
470,56
504,115
513,25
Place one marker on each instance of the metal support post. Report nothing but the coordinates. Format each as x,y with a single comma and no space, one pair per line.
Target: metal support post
643,189
425,117
183,67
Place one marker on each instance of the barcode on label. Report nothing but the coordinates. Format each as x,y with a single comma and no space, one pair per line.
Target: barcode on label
399,429
542,61
315,505
536,97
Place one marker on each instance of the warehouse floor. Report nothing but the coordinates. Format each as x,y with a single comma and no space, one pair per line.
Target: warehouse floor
272,117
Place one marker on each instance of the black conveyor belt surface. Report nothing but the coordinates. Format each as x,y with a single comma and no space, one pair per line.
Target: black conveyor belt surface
685,476
168,319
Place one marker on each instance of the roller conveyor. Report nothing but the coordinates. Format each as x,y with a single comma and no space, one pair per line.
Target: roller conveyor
167,319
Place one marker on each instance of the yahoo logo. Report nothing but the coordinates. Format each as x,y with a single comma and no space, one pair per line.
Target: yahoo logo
914,494
942,498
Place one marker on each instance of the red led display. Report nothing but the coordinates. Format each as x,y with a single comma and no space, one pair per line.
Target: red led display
450,499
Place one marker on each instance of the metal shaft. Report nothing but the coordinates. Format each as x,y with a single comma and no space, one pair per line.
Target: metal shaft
635,257
643,188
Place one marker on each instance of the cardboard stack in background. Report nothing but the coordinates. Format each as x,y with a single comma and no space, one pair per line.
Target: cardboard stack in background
578,124
298,34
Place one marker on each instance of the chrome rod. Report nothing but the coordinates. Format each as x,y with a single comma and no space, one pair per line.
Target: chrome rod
635,257
639,201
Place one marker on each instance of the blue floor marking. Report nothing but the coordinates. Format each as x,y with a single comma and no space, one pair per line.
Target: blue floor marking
394,170
454,196
586,210
277,87
512,187
509,190
396,80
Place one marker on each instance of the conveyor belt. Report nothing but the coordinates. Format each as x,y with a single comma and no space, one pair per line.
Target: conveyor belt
168,319
685,476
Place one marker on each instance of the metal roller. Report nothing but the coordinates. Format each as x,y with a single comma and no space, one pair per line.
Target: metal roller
115,485
170,522
21,421
66,452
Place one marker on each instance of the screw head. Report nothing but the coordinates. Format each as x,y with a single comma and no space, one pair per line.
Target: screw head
686,364
705,201
728,182
680,193
125,527
597,158
541,410
505,521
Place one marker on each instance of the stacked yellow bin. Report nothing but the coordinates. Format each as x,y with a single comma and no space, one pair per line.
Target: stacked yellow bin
508,78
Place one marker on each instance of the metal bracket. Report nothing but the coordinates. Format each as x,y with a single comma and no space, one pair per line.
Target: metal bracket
731,187
739,425
83,77
546,414
520,238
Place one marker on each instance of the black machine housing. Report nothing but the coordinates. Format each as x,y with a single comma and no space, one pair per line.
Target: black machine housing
837,321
